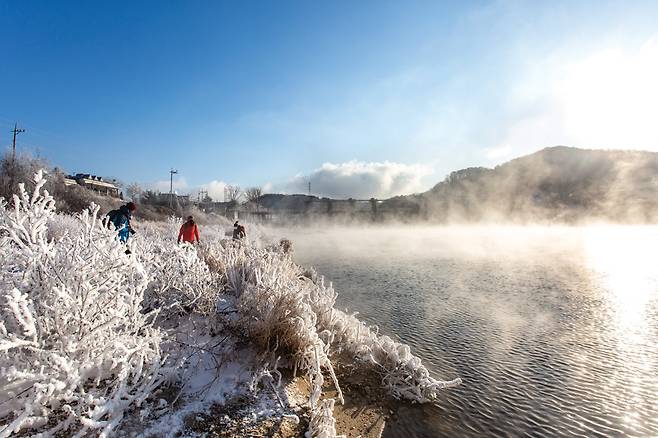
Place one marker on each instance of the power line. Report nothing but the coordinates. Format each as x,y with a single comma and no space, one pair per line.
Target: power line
171,186
16,131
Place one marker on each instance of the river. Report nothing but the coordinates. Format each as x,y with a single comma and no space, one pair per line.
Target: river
553,330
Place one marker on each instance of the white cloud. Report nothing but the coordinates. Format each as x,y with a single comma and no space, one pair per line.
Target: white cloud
215,189
180,186
361,180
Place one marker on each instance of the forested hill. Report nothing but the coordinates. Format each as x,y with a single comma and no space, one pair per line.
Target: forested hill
559,183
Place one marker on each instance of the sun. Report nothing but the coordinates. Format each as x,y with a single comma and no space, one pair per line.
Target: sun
610,98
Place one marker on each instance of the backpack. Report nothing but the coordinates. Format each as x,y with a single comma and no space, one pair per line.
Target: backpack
111,217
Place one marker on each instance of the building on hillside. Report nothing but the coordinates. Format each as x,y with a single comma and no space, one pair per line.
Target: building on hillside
93,182
69,181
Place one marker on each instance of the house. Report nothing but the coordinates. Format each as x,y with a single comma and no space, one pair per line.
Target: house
93,182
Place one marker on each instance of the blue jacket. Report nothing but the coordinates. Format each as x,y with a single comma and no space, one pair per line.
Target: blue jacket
121,223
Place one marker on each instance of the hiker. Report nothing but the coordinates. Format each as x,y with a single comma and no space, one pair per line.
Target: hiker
121,220
189,231
238,231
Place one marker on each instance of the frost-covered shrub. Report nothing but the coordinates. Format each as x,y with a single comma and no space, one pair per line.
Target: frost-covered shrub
286,312
183,277
403,374
273,311
76,351
180,279
61,225
284,308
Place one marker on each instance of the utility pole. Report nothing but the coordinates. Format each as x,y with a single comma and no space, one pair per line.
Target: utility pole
171,186
13,147
309,188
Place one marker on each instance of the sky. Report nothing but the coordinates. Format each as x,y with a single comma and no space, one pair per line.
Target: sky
362,99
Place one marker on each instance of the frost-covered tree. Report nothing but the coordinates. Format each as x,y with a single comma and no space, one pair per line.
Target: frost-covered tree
233,193
134,192
253,194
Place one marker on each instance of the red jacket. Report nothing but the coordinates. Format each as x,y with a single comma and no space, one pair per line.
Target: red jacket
188,232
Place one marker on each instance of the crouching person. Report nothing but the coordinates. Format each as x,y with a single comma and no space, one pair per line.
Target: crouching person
121,220
189,231
239,231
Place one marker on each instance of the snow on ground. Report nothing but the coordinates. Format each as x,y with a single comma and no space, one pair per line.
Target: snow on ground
214,369
216,375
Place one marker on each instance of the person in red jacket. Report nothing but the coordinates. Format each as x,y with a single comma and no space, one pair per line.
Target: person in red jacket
189,231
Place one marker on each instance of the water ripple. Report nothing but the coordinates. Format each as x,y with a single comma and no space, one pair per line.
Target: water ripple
542,346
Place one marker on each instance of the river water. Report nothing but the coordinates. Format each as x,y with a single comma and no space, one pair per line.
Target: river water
553,330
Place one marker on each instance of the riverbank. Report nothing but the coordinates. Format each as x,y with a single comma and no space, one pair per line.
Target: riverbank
221,410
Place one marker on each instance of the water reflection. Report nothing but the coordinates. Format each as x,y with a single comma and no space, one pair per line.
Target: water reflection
624,260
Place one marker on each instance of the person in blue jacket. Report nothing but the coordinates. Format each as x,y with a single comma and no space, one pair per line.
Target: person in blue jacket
121,220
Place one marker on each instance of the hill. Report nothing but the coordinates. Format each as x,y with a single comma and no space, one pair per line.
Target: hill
559,183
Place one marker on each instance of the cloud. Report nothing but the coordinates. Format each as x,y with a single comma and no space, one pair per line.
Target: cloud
215,189
180,186
361,180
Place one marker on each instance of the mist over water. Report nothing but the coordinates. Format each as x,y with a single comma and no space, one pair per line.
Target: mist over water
552,329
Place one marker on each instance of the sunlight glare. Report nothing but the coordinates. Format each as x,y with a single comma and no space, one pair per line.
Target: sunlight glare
610,98
625,260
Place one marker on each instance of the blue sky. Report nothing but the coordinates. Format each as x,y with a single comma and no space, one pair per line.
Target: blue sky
362,98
